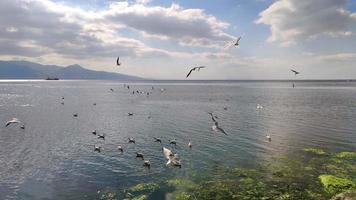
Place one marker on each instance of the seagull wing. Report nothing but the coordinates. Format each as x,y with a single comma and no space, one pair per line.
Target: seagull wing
229,45
190,72
212,117
220,129
238,39
118,61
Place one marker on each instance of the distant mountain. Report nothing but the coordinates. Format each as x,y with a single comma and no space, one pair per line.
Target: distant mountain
30,70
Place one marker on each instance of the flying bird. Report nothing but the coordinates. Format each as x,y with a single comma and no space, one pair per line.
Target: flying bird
118,61
295,72
193,69
172,158
12,121
216,126
235,42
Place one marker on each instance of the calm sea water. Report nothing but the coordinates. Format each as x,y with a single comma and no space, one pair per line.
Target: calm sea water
54,158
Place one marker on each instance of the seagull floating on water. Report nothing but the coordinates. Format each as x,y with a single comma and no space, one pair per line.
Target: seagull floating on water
139,155
216,126
190,144
120,148
75,115
269,138
112,90
101,136
12,121
97,148
157,140
259,106
132,140
173,142
193,69
147,163
130,114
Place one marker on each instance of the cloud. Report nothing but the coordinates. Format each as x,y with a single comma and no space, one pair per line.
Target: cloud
187,26
294,20
36,28
347,58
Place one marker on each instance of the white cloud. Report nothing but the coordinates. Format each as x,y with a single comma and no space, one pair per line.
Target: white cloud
294,20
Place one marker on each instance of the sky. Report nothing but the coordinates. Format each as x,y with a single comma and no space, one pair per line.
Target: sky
160,39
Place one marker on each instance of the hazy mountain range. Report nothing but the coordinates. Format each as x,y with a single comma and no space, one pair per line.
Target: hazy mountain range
31,70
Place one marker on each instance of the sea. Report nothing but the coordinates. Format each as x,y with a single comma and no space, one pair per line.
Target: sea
54,157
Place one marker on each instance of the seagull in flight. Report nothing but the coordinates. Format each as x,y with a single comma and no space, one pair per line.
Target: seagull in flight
193,69
118,63
295,72
235,42
12,121
172,158
216,126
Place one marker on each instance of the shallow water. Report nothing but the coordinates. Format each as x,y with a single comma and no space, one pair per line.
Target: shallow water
53,157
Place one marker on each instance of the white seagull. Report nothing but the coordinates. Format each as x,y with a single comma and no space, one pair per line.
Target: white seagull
235,42
12,121
172,158
259,106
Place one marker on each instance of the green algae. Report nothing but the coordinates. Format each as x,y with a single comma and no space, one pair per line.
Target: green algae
334,185
316,151
141,197
143,187
311,177
346,155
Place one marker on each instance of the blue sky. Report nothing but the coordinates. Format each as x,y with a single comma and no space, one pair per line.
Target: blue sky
163,39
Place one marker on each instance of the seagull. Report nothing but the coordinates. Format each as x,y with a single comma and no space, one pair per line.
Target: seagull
225,108
12,121
157,140
132,140
216,126
75,115
147,163
118,61
269,138
139,155
193,69
62,97
172,158
130,113
22,126
94,104
295,72
259,106
62,103
235,42
97,148
101,136
94,132
190,144
173,142
120,148
112,90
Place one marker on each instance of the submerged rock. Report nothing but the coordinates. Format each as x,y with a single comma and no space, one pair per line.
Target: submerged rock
345,196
